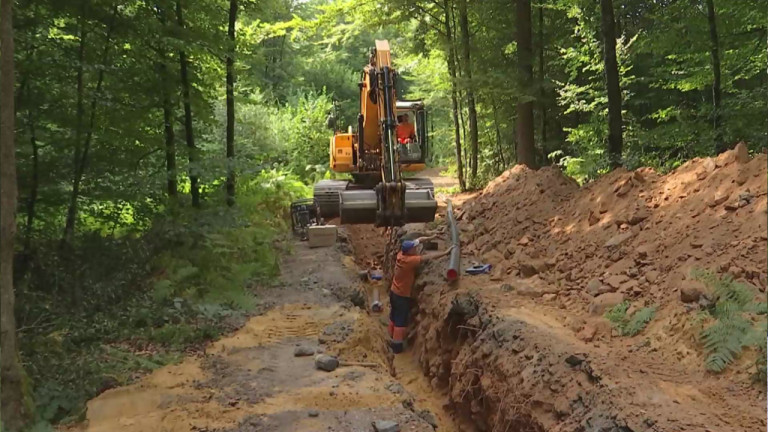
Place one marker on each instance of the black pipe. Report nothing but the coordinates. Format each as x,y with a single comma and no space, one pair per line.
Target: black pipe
454,263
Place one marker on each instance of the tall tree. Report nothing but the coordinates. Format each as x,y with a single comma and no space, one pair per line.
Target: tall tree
526,150
714,52
231,103
471,108
82,150
608,29
188,127
169,113
451,60
11,396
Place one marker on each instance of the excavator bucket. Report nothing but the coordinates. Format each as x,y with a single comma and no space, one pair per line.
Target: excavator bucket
360,206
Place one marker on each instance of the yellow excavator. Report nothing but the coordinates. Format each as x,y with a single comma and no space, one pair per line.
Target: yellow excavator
378,193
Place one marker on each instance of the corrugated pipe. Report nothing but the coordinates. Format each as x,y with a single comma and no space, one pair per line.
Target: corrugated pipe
452,273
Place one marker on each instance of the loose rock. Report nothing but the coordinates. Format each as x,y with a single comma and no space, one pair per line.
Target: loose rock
386,426
593,218
742,153
313,413
691,291
652,276
428,417
618,239
326,362
593,287
303,351
719,198
603,302
615,281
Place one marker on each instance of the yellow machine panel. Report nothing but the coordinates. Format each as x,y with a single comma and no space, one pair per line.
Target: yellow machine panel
341,152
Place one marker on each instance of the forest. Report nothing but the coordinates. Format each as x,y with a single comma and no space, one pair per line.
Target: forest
150,149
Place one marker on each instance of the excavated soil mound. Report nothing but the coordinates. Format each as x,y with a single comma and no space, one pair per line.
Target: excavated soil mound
635,233
527,347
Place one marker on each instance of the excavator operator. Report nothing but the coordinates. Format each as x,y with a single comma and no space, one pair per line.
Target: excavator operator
406,132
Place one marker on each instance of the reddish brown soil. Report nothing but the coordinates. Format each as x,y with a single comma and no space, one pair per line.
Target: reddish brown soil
527,348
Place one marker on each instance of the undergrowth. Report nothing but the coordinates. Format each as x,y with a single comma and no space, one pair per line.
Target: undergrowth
629,325
739,322
120,307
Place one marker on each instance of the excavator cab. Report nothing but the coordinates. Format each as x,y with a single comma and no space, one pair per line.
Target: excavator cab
415,152
375,159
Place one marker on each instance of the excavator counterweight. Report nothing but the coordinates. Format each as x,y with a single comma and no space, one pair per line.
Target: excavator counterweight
375,156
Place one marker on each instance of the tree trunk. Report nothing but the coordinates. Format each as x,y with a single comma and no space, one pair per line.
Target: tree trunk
607,23
69,225
188,129
471,109
168,115
170,135
11,395
714,52
454,102
82,161
498,133
231,104
526,149
542,83
32,200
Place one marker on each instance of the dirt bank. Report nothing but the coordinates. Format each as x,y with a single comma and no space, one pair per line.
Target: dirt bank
527,348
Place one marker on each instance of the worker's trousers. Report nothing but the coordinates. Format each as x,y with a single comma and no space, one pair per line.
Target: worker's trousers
400,308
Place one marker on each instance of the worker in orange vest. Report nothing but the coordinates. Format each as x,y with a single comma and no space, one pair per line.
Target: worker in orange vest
408,260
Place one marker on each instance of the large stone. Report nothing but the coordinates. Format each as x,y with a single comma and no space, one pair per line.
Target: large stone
639,215
386,426
593,287
719,198
529,266
742,153
326,362
618,239
603,302
593,218
691,291
428,417
652,276
303,351
623,187
615,281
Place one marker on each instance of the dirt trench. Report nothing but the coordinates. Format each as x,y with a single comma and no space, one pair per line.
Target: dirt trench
505,359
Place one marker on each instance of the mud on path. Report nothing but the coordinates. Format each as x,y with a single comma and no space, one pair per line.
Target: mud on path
251,380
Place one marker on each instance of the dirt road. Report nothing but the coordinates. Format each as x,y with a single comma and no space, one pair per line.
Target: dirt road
251,380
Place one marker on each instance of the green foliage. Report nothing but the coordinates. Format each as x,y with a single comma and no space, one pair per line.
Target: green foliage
203,264
629,326
740,322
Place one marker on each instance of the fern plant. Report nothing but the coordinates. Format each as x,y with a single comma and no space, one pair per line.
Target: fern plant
734,309
629,326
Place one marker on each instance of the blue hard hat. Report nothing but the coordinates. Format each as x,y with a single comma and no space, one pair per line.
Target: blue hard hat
409,244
